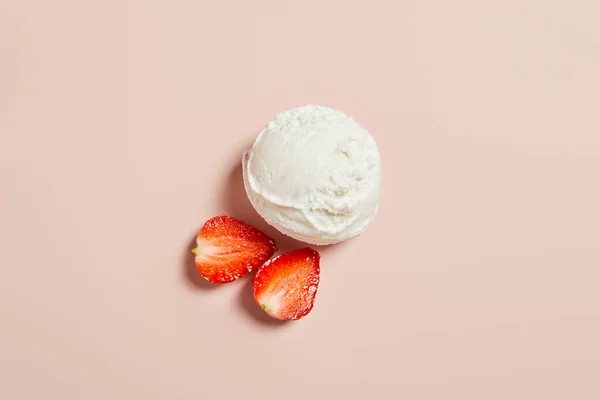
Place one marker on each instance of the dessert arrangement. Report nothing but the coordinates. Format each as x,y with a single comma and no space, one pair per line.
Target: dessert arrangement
314,174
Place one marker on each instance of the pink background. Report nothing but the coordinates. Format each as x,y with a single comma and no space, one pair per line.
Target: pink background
122,124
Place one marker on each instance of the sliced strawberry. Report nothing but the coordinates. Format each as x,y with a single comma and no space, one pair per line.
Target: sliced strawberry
285,287
229,248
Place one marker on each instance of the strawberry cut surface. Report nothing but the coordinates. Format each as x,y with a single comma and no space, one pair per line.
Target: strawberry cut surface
228,249
285,287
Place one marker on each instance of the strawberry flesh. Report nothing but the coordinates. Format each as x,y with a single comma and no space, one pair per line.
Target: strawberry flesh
285,287
228,249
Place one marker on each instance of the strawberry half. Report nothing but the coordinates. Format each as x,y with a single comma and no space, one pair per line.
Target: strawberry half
285,287
229,248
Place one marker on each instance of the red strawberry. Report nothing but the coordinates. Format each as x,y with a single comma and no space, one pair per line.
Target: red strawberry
285,287
229,248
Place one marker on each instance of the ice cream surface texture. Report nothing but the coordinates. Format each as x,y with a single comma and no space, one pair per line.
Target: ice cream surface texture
314,174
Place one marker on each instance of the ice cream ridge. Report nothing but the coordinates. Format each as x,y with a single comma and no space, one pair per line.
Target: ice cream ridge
314,174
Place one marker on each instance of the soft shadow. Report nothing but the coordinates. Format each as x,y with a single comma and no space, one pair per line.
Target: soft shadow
190,274
236,204
331,248
248,304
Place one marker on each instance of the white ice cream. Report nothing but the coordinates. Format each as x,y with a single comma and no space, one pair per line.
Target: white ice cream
314,174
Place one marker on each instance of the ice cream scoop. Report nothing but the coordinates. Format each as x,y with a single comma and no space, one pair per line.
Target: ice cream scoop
314,174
